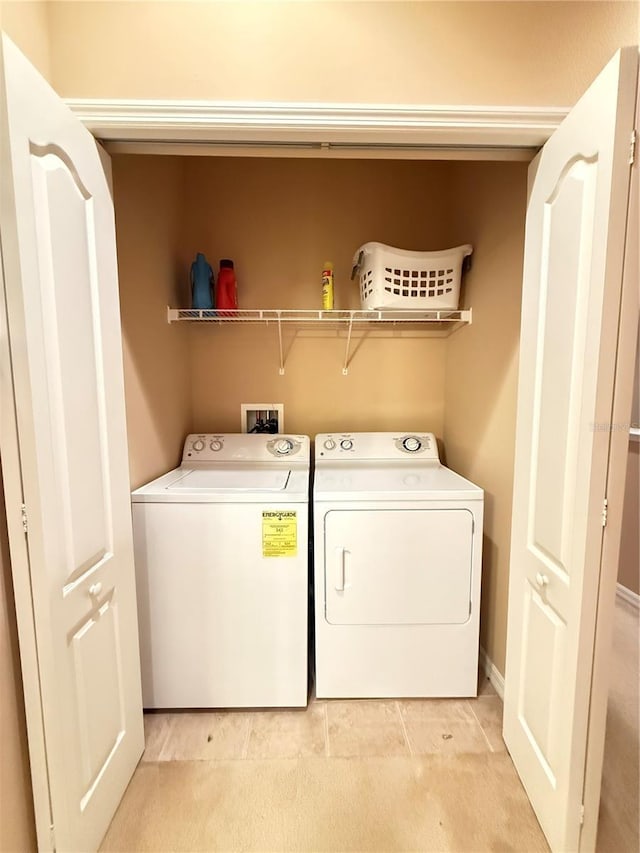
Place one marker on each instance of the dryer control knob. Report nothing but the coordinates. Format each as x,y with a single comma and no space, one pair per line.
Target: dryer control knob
346,444
198,445
284,446
216,444
412,444
329,444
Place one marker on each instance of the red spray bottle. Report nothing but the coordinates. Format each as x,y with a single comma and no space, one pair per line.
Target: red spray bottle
226,287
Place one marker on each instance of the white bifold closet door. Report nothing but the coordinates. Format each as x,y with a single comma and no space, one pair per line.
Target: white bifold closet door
65,463
574,250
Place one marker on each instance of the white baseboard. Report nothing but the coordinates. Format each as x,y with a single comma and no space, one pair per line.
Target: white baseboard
492,672
627,595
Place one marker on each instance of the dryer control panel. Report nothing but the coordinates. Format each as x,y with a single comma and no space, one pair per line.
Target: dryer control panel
379,446
245,447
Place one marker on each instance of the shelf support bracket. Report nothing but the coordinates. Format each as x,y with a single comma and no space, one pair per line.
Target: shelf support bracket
345,369
281,371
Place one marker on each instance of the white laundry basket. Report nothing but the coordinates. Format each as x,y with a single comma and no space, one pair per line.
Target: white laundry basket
397,278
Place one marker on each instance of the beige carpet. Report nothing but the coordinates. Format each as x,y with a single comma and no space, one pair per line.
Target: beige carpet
426,803
619,821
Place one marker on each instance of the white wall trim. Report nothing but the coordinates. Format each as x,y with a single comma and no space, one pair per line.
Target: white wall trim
628,595
492,672
315,124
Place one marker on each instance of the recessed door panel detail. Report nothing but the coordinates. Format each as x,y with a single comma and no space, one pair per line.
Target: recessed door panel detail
99,694
543,661
71,324
395,567
567,239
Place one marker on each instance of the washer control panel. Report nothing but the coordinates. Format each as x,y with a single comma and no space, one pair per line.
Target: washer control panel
382,446
243,447
202,447
417,444
284,445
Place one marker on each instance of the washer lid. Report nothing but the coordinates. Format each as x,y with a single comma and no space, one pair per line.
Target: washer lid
370,482
222,484
229,480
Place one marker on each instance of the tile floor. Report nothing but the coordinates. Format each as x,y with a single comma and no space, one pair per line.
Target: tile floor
381,728
375,775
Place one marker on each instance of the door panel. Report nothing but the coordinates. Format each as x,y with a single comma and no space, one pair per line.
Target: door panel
71,309
398,567
99,694
574,251
566,248
541,686
64,458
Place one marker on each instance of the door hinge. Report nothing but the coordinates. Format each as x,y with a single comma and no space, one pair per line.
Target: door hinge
25,522
605,512
582,815
632,147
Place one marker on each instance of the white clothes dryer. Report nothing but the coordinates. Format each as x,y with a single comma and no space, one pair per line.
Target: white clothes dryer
222,574
397,555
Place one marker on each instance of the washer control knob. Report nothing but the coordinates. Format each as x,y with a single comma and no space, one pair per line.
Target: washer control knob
412,444
346,444
284,446
198,445
215,445
329,444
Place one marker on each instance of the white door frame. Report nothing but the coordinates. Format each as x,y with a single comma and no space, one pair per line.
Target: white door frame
292,129
618,453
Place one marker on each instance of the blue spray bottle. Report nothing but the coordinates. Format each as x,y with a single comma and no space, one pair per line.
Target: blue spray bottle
201,283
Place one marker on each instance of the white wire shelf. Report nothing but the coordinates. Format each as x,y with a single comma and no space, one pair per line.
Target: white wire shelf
272,315
446,320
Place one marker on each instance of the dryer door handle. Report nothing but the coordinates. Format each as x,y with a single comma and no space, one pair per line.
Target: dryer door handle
340,569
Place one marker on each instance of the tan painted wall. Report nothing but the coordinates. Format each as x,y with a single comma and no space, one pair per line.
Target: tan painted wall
629,566
27,25
280,220
409,52
148,197
629,569
482,369
629,562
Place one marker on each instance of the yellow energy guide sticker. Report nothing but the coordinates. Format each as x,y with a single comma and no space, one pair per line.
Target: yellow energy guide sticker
279,534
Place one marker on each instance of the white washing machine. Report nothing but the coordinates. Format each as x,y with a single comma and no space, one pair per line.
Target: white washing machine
397,556
222,574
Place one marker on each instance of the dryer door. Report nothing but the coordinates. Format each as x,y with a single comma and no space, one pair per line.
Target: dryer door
398,567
